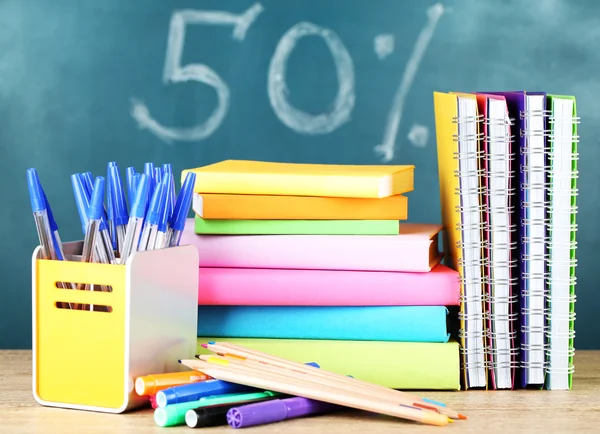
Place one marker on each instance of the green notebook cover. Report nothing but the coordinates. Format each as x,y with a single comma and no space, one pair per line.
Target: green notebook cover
398,365
562,181
296,227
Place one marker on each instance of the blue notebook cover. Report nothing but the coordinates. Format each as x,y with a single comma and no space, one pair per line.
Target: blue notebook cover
369,323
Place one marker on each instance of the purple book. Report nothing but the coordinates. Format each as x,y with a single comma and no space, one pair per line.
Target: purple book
528,110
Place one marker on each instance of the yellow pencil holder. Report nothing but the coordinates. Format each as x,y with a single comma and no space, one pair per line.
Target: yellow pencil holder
142,321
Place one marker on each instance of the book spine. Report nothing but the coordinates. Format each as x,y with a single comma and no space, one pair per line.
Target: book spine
471,267
500,246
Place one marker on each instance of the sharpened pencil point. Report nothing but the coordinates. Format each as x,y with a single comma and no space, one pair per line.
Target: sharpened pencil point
204,345
450,420
211,342
462,416
179,361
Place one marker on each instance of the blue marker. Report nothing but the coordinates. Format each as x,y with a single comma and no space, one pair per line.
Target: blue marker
195,391
180,211
148,237
106,254
165,215
136,218
121,215
40,215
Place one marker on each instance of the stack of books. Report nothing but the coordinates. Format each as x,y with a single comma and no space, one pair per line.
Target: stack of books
508,182
315,263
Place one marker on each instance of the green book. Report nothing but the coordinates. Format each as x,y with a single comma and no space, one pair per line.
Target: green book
296,227
398,365
562,245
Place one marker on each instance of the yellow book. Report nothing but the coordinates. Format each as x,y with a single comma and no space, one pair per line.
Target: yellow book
398,365
459,167
295,179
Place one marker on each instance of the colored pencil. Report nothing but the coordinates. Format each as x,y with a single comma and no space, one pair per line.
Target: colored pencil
277,382
236,351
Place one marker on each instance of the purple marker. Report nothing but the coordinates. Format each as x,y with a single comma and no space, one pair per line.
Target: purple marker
276,410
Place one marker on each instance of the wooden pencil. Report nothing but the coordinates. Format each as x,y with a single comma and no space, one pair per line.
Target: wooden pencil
262,379
228,349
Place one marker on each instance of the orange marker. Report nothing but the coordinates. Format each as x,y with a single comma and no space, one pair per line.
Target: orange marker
150,384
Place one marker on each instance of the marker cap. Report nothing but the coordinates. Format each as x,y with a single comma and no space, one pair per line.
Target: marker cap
96,208
207,416
36,195
184,200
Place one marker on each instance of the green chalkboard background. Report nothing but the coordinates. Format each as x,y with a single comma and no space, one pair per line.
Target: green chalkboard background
87,82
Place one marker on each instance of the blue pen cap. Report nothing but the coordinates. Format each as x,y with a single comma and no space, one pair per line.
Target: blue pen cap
184,200
158,174
138,209
81,199
53,224
149,172
129,172
167,168
89,186
153,214
96,208
36,195
166,185
120,215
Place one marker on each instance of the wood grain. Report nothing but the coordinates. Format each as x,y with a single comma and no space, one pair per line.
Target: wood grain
490,412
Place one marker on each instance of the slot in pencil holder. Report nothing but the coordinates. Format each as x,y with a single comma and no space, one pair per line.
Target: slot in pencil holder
89,359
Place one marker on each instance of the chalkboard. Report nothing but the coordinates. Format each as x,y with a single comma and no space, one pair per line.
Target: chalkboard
193,82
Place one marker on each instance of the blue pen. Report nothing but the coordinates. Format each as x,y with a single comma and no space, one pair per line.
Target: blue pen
40,215
157,176
58,247
149,172
129,172
94,220
167,168
121,215
195,391
165,215
136,218
148,237
106,254
180,211
110,207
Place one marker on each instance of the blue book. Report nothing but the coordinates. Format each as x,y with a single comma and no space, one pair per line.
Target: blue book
358,323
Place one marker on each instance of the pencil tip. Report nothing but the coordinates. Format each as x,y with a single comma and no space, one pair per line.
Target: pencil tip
450,420
179,361
204,345
211,342
462,416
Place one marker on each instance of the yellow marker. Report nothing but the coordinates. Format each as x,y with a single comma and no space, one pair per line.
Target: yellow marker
150,384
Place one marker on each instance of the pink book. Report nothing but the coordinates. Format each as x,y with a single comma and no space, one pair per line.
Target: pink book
415,249
276,287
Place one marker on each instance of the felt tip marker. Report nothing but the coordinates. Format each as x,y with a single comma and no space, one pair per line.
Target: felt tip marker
174,414
215,415
277,410
136,218
195,391
151,384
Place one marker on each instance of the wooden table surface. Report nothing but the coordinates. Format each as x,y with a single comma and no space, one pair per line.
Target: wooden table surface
489,412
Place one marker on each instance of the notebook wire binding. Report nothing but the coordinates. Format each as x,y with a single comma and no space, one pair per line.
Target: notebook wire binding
472,333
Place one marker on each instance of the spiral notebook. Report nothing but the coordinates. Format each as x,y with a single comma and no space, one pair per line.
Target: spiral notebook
460,172
562,227
500,240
